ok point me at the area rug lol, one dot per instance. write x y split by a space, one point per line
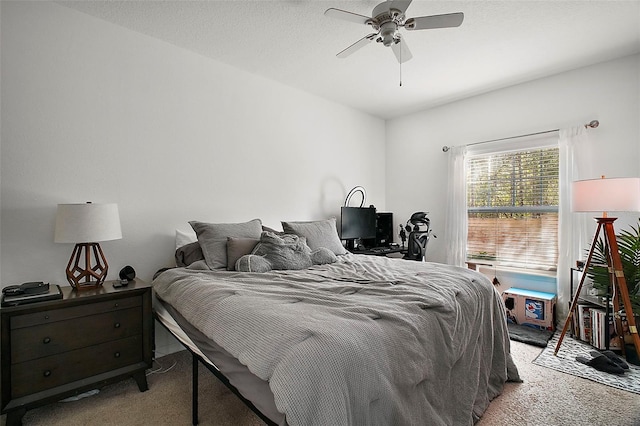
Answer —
566 362
529 335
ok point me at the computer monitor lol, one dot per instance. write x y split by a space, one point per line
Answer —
357 223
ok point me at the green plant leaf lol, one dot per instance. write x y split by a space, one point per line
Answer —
629 249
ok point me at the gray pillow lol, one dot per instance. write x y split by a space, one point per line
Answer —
286 251
238 247
199 265
266 228
323 256
213 238
188 254
252 263
320 233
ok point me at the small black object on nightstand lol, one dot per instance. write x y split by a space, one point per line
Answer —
127 273
121 283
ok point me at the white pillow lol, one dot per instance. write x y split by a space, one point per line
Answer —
185 237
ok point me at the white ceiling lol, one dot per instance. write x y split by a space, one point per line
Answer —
500 43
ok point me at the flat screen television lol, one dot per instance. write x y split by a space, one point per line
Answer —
357 223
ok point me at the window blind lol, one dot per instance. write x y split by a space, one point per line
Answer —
512 206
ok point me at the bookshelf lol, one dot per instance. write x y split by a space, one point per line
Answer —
593 322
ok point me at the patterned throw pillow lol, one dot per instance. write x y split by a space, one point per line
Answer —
286 251
252 263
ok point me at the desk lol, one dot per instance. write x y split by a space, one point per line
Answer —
381 251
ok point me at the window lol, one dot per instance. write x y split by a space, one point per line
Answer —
512 206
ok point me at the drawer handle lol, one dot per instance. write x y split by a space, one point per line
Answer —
47 373
116 355
116 325
116 305
46 340
46 317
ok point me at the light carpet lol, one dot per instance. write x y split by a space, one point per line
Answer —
546 398
565 361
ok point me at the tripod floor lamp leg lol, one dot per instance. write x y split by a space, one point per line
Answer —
621 286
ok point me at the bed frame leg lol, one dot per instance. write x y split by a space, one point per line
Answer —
194 390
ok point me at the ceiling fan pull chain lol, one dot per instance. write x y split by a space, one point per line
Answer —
401 68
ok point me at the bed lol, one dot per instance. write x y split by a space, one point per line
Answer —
347 341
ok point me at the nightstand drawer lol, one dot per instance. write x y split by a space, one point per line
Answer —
35 342
49 372
54 315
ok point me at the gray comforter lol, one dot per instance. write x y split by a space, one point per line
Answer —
364 341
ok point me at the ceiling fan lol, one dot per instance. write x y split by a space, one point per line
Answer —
386 19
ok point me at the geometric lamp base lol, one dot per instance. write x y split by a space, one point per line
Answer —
94 272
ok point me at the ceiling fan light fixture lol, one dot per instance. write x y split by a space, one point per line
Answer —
388 33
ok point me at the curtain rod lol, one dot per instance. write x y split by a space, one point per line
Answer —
592 124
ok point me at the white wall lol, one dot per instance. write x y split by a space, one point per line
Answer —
95 112
417 167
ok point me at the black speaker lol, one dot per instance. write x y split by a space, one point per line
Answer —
127 273
384 229
509 303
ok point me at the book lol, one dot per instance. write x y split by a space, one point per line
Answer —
584 322
598 328
591 327
22 299
575 324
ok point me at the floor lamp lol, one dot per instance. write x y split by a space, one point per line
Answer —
607 195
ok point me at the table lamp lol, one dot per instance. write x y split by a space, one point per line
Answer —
607 195
86 225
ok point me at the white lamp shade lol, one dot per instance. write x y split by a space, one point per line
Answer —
606 195
87 223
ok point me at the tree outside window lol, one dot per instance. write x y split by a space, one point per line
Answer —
512 203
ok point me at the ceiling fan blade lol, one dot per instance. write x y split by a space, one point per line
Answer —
346 16
434 21
357 45
401 50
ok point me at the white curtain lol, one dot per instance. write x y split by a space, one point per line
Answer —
456 220
575 230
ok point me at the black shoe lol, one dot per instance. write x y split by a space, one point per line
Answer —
613 357
602 363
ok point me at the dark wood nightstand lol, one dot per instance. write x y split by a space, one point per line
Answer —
55 349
